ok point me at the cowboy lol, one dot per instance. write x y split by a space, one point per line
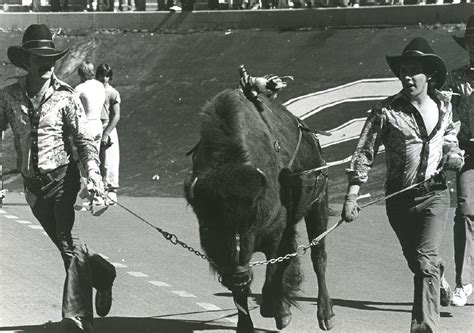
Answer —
47 118
461 82
417 130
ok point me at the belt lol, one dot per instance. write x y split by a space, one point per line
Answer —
437 183
44 181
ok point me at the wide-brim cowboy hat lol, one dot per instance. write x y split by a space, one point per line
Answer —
419 48
469 33
38 40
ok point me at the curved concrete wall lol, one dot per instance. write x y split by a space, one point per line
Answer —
378 16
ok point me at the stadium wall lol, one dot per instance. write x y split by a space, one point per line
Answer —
378 16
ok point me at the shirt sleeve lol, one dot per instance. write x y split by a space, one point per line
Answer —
367 147
75 119
450 141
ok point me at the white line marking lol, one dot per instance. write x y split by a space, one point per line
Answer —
366 88
182 293
11 217
2 211
209 306
159 284
37 227
119 265
137 274
103 256
23 221
232 320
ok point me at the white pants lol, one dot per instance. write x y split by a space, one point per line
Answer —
110 163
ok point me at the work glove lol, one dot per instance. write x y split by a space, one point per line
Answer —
94 182
350 210
452 161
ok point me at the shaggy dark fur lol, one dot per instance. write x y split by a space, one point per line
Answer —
248 198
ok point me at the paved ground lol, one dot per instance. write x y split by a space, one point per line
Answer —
163 288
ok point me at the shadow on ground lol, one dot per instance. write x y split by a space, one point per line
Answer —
130 324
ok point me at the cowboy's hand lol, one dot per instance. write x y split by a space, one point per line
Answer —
452 161
94 182
350 210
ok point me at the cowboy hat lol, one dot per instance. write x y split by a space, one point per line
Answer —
419 48
469 33
37 40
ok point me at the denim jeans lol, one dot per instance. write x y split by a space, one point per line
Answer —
55 212
419 223
464 223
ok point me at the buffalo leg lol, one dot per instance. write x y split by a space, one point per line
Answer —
281 281
316 223
244 324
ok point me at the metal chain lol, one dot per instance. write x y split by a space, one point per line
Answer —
301 250
172 238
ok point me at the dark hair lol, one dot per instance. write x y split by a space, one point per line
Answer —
104 70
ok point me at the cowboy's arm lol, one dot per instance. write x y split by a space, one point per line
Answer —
75 120
362 161
453 157
367 148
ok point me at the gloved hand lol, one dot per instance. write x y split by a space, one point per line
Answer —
452 161
350 210
94 182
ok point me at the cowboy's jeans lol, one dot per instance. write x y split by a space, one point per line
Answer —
419 223
55 212
464 223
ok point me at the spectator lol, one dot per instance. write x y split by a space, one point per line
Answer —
417 130
110 152
92 95
461 81
127 7
47 117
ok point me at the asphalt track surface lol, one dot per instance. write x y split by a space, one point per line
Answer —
162 287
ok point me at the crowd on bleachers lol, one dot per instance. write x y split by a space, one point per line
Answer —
189 5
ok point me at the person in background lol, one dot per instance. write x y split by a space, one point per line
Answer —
92 95
125 5
110 151
419 136
461 82
47 118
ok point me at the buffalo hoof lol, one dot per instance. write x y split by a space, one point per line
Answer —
245 329
328 324
266 311
283 321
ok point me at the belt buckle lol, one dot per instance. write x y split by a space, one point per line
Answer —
45 179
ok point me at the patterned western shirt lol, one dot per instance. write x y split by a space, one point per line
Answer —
412 154
463 105
44 131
